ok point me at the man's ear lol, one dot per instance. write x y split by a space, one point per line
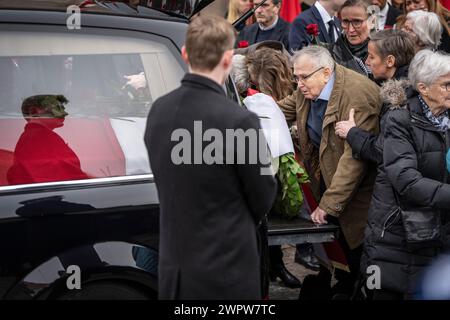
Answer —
423 89
227 58
184 55
327 73
390 61
278 7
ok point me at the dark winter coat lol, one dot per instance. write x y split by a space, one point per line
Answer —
414 168
369 146
209 212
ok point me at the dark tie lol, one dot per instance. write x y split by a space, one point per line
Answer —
331 28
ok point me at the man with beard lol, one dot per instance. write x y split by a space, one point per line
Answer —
268 26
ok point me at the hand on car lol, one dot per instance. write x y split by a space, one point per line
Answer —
343 127
319 216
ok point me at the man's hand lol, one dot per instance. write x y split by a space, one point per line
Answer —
343 127
318 216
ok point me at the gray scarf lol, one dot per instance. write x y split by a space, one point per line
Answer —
442 121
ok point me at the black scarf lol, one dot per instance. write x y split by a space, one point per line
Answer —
358 50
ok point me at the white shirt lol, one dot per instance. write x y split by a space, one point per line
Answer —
382 16
263 28
325 18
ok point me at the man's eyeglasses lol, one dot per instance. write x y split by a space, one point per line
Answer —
304 78
355 23
446 86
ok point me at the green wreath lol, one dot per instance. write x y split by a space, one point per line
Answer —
290 197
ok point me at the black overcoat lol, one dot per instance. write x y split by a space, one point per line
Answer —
210 213
414 172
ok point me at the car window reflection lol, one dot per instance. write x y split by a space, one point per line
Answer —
41 155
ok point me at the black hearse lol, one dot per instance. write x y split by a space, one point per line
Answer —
102 69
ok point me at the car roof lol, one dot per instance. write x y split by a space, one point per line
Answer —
183 9
53 12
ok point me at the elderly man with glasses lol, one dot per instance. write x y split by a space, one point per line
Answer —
342 185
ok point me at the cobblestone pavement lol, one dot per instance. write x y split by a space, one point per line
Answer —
277 290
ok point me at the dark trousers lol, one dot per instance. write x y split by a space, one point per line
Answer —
346 280
275 255
263 244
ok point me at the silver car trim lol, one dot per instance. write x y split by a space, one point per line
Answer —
77 183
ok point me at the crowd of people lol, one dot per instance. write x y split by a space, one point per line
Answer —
366 88
333 105
345 25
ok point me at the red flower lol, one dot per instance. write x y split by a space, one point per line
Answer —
243 44
251 92
312 29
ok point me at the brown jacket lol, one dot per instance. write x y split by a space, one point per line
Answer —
348 182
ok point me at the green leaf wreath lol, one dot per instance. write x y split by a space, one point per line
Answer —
291 176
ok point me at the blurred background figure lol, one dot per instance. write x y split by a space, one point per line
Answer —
425 28
431 6
388 14
398 4
411 5
237 8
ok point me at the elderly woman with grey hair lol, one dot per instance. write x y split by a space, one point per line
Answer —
425 28
409 218
239 73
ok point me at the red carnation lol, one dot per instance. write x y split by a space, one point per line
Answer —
312 29
243 44
251 92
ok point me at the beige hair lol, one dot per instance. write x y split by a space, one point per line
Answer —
207 39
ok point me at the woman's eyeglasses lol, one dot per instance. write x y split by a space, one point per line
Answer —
357 23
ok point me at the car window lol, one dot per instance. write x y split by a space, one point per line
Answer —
75 106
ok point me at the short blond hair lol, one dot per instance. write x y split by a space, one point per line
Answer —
207 39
